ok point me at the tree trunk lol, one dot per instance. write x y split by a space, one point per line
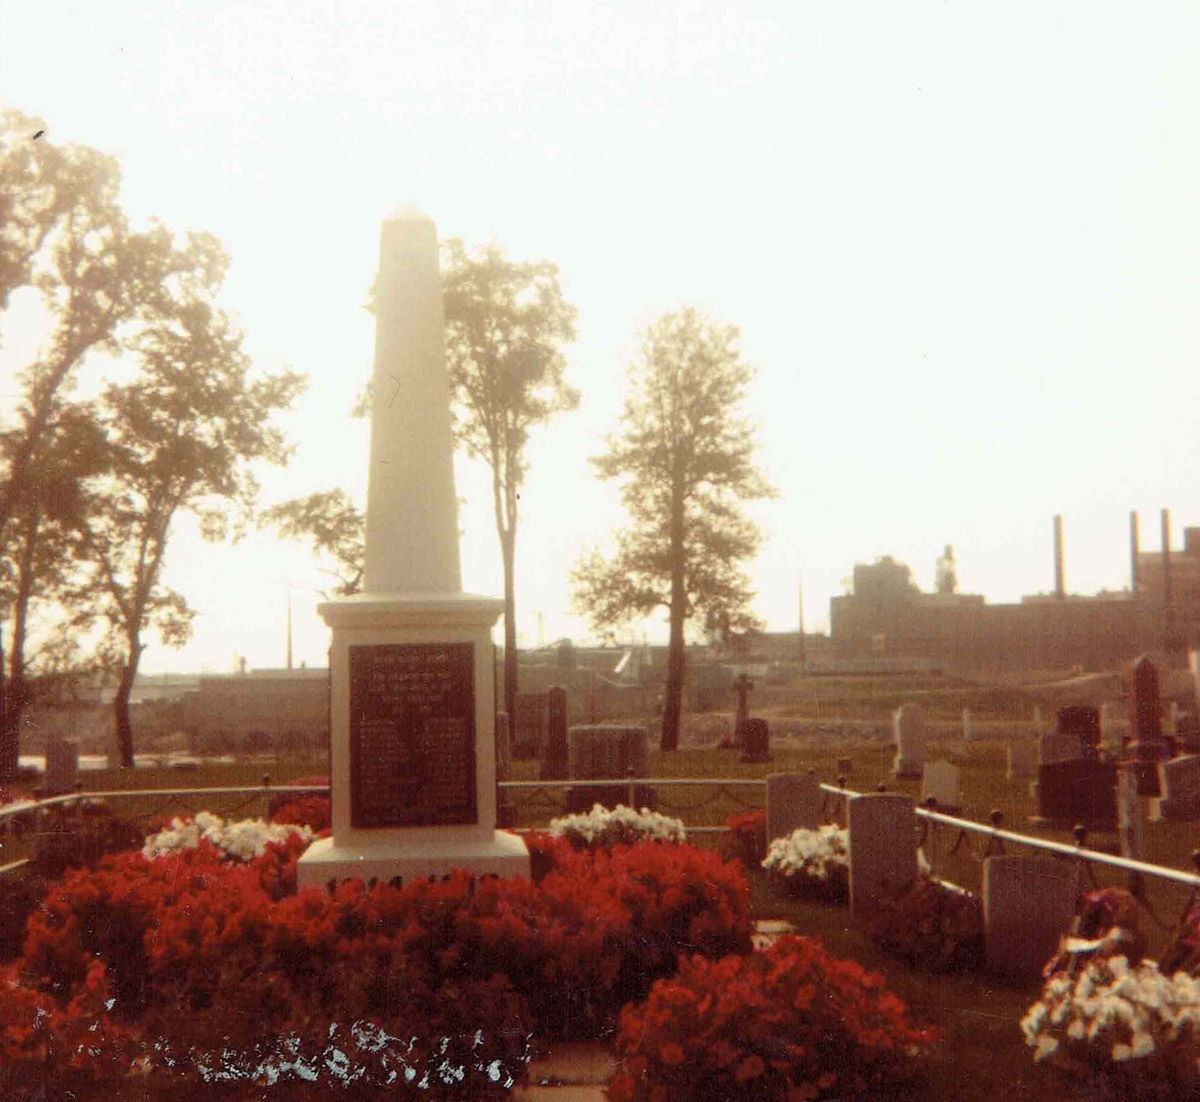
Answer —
508 541
121 706
10 750
673 704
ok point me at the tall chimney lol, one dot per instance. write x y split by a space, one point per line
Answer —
1166 554
1059 590
1133 551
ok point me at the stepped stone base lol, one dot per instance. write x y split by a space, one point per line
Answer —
415 858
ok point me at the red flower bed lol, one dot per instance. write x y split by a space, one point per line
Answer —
228 958
305 810
932 925
790 1023
278 800
747 838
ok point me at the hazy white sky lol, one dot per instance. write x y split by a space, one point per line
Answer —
962 242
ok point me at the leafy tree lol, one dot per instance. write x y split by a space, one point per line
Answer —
45 599
336 527
506 325
180 436
684 458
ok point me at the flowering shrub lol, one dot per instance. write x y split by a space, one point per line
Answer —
932 925
812 862
603 828
310 810
461 971
320 788
1129 1029
244 840
747 838
547 852
1106 925
789 1023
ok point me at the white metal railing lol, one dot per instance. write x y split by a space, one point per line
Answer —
990 831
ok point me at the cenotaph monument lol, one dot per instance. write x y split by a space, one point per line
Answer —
412 698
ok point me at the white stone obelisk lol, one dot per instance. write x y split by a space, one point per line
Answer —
412 682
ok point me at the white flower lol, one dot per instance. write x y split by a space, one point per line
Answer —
812 853
1046 1046
619 821
243 840
1121 1052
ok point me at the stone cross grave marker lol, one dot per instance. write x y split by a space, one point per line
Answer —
554 764
741 687
883 848
793 802
940 780
1022 761
1028 904
756 740
1179 779
910 730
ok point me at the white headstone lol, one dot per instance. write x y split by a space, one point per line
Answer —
883 848
1022 759
966 725
1110 737
793 801
940 780
412 678
910 730
1037 721
1028 904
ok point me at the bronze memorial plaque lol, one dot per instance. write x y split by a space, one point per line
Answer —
412 735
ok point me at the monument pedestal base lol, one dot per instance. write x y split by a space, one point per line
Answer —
417 858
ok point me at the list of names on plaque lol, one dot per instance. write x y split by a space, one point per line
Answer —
412 734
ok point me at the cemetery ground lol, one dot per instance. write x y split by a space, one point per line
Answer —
983 1054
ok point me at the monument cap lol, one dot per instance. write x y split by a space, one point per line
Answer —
408 212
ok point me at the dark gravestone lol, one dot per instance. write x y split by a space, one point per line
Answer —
1084 722
756 741
506 812
600 752
1148 747
554 760
1070 793
529 724
412 735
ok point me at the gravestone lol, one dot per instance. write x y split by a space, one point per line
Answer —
883 848
530 725
1148 746
506 811
1058 747
412 673
756 740
793 802
62 766
1171 727
1083 722
1179 780
1028 905
910 731
602 752
1037 721
1022 756
554 765
1069 793
940 781
967 733
1110 736
1129 815
843 767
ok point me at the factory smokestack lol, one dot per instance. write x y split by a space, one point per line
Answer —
1166 554
1059 590
1134 549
